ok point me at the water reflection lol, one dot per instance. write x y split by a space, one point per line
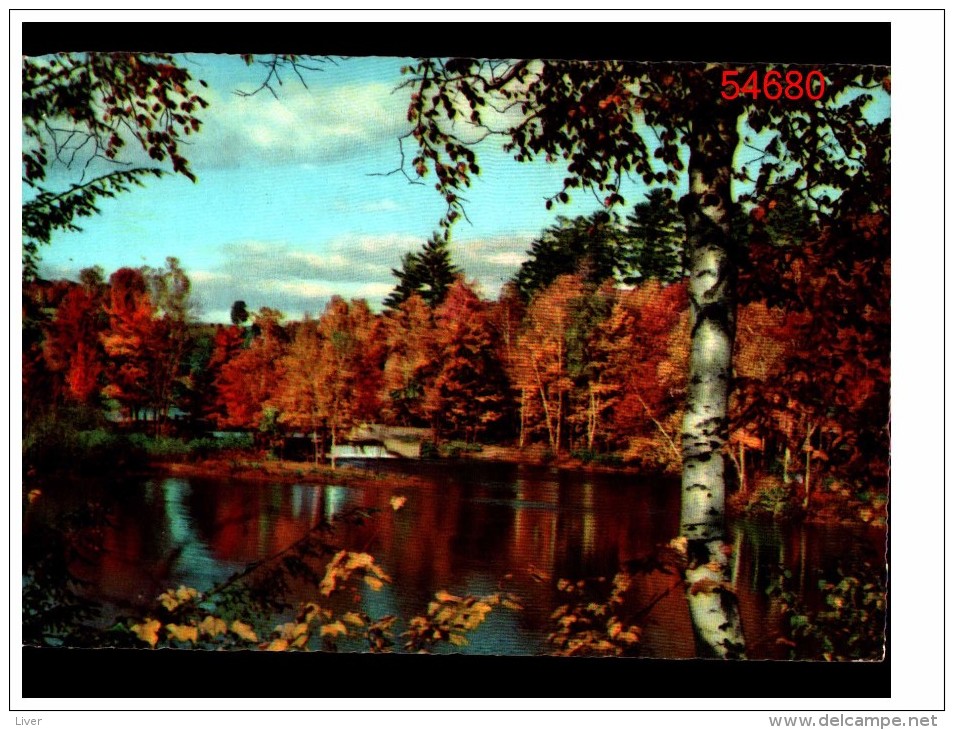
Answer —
469 531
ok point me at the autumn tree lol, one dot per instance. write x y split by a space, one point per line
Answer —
642 351
72 344
660 122
348 367
247 382
827 402
170 292
227 342
469 392
298 399
332 374
410 338
543 365
133 341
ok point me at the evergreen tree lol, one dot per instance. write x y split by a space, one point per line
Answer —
239 312
428 273
656 238
586 245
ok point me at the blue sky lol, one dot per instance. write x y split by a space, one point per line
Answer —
291 205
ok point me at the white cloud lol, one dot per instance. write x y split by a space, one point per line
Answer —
199 276
507 258
306 126
490 261
308 289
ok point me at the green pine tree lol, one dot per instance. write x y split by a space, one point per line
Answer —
428 272
657 236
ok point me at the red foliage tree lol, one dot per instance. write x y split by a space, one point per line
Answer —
72 345
828 402
248 381
645 347
470 391
133 341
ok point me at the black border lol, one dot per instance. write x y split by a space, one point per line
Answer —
818 43
55 673
185 673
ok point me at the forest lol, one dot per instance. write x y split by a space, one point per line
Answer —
583 356
739 341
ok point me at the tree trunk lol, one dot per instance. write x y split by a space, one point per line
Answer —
808 466
523 415
707 208
334 440
742 467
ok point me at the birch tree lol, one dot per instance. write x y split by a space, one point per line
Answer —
675 124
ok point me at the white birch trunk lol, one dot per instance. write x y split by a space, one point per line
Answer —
712 602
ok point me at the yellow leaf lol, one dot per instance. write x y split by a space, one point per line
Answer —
631 636
354 619
183 633
512 604
300 642
458 640
291 631
359 560
148 631
186 594
329 582
335 629
375 583
397 502
445 597
168 600
277 645
243 631
213 626
376 570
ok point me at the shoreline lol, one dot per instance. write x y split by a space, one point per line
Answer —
297 472
252 467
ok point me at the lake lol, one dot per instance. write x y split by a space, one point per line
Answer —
468 527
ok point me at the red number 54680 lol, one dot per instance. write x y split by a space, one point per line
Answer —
793 85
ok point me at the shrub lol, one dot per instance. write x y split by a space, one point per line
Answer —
588 456
162 447
75 441
453 449
851 624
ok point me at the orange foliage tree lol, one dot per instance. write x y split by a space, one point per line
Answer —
542 363
133 341
644 351
469 392
248 381
410 337
332 373
827 404
72 346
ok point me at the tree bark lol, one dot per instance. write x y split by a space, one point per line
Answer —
707 208
334 443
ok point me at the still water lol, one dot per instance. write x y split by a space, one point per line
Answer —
467 528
